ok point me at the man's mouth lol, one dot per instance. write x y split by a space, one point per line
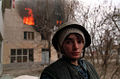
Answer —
75 53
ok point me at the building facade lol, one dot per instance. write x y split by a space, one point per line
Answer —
21 42
22 48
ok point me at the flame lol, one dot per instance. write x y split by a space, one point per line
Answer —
59 22
29 20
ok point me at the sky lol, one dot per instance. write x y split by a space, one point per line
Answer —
96 2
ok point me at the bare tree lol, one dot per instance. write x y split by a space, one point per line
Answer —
103 25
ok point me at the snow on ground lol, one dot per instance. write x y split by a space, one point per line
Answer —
26 77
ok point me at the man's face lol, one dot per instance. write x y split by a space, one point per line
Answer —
73 45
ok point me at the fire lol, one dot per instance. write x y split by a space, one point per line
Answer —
29 20
59 22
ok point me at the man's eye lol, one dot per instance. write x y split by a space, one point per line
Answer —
79 41
68 42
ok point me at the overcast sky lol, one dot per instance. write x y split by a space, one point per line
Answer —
96 2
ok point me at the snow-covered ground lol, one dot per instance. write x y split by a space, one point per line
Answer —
7 76
26 77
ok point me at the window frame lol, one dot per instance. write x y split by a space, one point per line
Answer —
28 35
19 58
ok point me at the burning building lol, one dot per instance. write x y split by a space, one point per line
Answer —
23 47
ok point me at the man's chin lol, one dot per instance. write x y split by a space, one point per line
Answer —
75 58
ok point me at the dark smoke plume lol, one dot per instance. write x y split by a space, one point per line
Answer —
45 12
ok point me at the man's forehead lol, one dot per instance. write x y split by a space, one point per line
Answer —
75 36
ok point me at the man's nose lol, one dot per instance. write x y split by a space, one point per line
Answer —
75 45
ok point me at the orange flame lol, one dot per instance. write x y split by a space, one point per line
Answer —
59 22
29 20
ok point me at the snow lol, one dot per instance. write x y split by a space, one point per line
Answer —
26 77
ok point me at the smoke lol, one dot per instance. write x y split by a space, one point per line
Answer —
22 4
45 13
38 6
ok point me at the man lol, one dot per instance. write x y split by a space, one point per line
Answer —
70 40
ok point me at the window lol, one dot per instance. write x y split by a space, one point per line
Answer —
28 35
45 56
21 55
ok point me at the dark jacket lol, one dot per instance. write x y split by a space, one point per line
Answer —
62 69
